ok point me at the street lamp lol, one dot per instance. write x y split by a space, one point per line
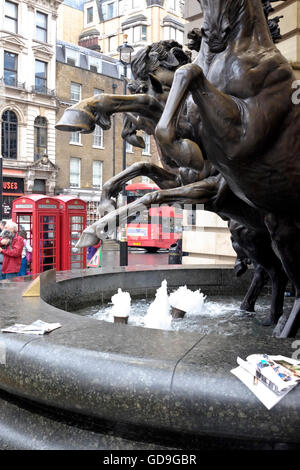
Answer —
125 51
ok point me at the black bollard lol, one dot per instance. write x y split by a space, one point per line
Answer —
123 249
175 253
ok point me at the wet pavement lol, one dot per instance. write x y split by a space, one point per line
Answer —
135 258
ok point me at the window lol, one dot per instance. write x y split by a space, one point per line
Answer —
140 33
72 57
75 138
75 91
95 64
98 91
129 148
172 5
11 17
109 10
40 76
9 133
98 137
41 27
112 43
10 68
40 137
39 186
135 4
173 33
145 180
75 164
90 15
97 174
147 149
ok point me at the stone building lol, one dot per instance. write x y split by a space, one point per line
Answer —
206 237
144 22
86 161
28 102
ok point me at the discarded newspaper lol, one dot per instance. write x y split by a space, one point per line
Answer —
38 327
270 378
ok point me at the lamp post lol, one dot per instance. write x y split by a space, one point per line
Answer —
125 51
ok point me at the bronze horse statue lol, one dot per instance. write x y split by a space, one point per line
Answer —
193 156
242 88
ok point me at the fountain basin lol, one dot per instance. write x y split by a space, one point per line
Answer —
172 381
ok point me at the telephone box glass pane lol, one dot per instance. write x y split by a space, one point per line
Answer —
47 242
76 228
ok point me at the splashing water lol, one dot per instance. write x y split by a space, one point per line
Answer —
121 304
158 314
187 300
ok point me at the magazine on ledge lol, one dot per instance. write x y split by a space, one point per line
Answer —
270 378
38 327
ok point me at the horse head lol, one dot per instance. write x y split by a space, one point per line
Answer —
229 20
218 22
154 66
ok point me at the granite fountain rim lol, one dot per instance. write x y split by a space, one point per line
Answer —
113 372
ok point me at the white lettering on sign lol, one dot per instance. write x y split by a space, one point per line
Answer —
47 206
76 207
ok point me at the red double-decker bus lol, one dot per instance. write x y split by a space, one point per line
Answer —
158 227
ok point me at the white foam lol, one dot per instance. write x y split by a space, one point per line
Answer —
121 304
189 301
158 314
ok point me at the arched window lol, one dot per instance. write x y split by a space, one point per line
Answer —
40 137
9 133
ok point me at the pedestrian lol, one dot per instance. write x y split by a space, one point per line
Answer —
12 251
2 227
27 250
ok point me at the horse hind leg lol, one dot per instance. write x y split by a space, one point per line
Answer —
258 282
285 235
279 282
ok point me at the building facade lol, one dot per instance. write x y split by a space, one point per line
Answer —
28 102
144 21
86 161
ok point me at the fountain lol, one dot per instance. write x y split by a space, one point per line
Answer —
121 306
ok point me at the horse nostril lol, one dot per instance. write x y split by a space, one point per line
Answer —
226 31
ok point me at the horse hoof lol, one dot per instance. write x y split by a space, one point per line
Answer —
87 238
247 308
267 321
279 327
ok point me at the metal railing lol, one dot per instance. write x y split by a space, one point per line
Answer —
42 91
12 84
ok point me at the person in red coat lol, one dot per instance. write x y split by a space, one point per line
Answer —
12 251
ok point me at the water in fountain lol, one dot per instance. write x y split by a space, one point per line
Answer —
187 300
121 304
158 314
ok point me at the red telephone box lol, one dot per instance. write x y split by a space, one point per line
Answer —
73 222
39 216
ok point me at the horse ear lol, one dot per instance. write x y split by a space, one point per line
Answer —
156 84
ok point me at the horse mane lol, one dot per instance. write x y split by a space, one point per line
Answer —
168 54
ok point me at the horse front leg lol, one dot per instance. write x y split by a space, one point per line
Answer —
84 116
163 178
196 193
220 116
